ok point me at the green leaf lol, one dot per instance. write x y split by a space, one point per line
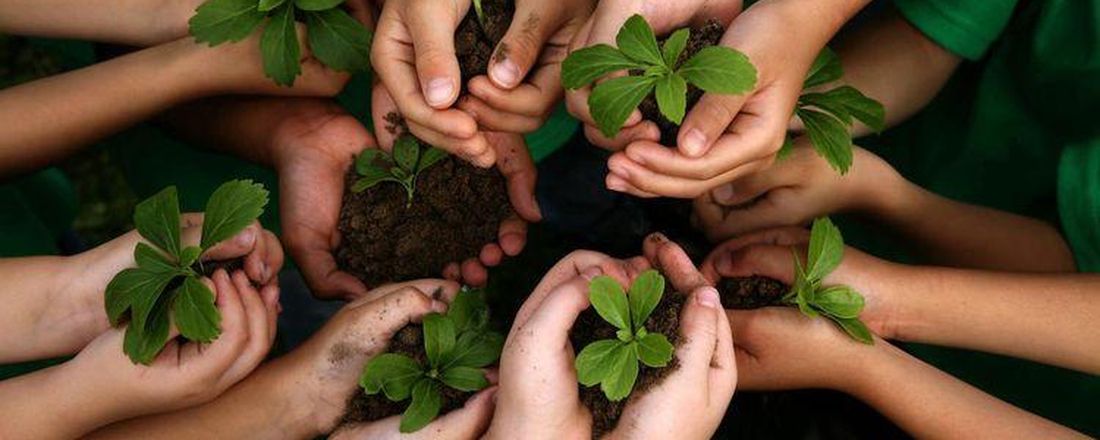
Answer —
338 40
406 152
439 337
267 5
145 297
825 69
654 350
586 65
671 96
430 157
719 69
856 329
189 256
152 260
830 138
232 207
370 179
624 372
612 101
674 46
426 402
279 47
826 250
868 111
786 149
194 312
610 301
594 361
317 5
838 301
636 40
828 104
131 284
220 21
158 220
142 343
475 349
394 374
645 294
465 379
468 310
371 160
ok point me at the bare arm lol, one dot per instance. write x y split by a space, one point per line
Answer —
131 22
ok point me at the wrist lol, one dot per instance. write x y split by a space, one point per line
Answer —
170 19
88 401
878 364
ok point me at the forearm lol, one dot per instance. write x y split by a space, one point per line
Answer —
52 404
131 22
39 319
928 403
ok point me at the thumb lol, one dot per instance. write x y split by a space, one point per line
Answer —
699 321
515 163
432 28
776 262
470 421
518 51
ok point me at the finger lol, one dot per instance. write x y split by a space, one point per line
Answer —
554 317
234 329
772 211
522 44
699 331
489 118
491 255
436 289
473 273
678 267
586 264
616 183
724 373
240 245
270 295
512 235
319 268
254 264
474 149
452 272
515 163
709 217
273 260
259 333
432 24
706 122
640 131
774 262
533 98
386 116
467 422
645 179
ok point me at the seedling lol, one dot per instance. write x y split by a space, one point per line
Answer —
613 363
841 304
402 167
714 69
480 15
458 345
829 115
335 38
166 286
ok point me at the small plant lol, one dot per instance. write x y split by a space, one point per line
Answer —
829 115
714 69
335 38
458 345
613 363
165 287
402 167
480 15
841 304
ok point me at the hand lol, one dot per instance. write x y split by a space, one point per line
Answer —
796 190
770 254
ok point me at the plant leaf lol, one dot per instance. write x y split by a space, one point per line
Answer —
392 373
594 361
338 40
839 301
370 160
475 350
636 40
612 101
131 284
830 138
825 69
267 5
624 372
426 402
586 65
645 294
430 157
152 260
610 301
189 255
465 379
145 297
439 337
279 47
826 250
719 69
828 104
671 93
373 177
856 329
406 152
157 219
142 343
194 312
317 5
674 46
786 149
654 350
468 310
219 21
868 111
232 207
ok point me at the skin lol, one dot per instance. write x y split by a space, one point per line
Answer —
101 385
538 345
131 22
304 394
54 305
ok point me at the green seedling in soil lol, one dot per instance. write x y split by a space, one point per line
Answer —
828 115
166 285
841 304
653 69
402 167
335 38
458 346
613 363
480 14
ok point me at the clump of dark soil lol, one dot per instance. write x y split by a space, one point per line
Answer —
474 44
409 341
751 292
591 327
710 34
207 268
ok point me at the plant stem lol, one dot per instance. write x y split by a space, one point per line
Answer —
480 16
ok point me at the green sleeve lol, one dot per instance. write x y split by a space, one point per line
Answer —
1079 202
964 27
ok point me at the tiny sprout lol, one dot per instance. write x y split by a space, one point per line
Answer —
402 167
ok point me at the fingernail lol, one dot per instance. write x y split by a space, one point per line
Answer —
439 91
506 73
590 273
658 237
439 306
265 272
615 183
708 297
722 194
619 170
694 142
247 237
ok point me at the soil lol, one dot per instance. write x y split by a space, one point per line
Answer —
408 341
474 44
590 327
209 267
751 292
710 34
